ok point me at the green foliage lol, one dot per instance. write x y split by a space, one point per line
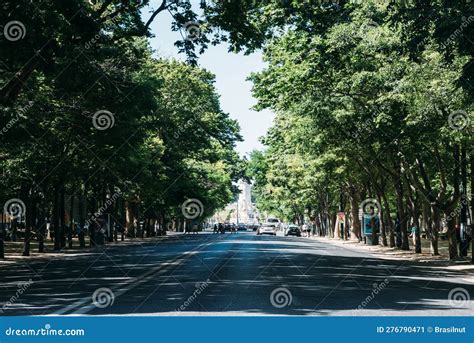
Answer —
167 138
355 101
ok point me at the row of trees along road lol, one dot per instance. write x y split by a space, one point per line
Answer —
373 100
93 124
362 91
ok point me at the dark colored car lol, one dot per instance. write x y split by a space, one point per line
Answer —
293 231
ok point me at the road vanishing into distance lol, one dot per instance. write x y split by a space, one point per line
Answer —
229 274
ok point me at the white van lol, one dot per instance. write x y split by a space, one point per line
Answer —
273 222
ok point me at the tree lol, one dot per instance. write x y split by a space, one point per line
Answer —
358 103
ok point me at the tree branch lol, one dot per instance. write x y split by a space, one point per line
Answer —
162 7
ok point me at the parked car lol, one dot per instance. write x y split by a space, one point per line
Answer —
293 230
267 230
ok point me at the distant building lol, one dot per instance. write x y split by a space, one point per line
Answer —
241 211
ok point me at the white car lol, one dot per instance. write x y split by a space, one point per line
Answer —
273 222
267 230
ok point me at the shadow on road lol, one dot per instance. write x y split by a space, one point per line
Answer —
232 274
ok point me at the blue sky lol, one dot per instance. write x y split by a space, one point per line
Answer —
231 71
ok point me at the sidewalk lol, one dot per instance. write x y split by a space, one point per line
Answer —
14 250
442 260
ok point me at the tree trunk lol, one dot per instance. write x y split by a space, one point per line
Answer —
416 223
463 244
355 227
28 223
452 234
129 221
71 222
402 214
62 210
383 232
413 201
472 204
41 228
55 221
123 219
2 236
389 221
92 223
434 237
346 225
81 233
146 224
448 209
427 220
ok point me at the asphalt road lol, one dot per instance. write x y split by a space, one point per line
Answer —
238 274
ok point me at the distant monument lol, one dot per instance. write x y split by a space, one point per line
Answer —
245 212
241 211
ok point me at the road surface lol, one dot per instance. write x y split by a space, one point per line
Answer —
231 274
